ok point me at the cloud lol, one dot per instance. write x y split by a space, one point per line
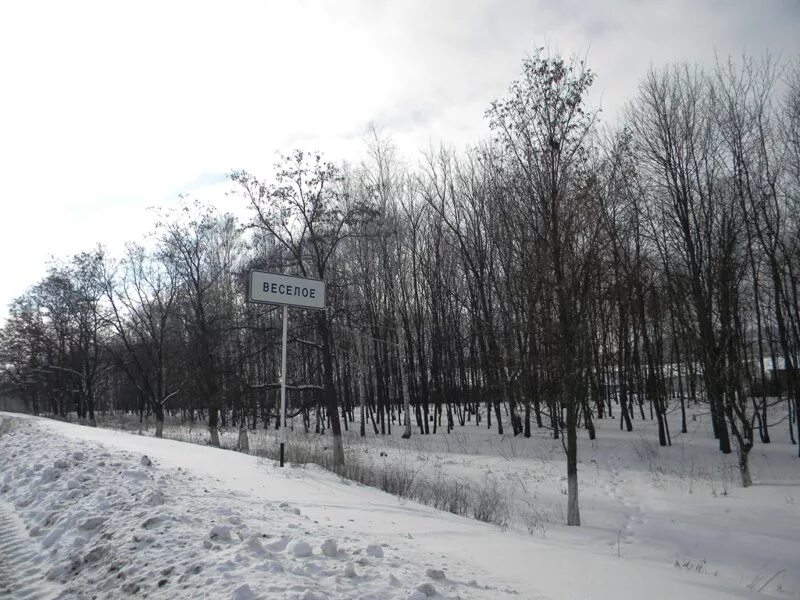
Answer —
108 108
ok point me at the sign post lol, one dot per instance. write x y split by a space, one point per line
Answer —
286 291
283 382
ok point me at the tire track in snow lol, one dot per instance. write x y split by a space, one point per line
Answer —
20 578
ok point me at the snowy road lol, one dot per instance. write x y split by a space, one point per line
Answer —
206 523
108 523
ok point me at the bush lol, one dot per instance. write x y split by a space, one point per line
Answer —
646 451
489 505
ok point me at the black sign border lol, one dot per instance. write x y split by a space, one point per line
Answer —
250 286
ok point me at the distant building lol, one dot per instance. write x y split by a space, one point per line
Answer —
778 371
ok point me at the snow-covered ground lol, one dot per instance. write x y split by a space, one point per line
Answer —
81 516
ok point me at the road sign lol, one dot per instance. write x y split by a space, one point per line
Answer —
273 288
286 290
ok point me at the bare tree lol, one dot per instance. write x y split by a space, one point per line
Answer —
308 213
142 295
197 249
544 128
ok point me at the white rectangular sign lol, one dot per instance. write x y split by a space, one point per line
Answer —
273 288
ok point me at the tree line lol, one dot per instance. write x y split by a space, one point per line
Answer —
562 271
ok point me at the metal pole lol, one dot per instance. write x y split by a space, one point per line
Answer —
283 383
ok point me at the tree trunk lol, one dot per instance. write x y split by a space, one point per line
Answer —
213 422
243 444
331 403
744 464
159 422
573 511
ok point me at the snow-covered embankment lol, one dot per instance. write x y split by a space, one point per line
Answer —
108 522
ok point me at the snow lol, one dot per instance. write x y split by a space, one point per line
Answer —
329 548
434 573
200 522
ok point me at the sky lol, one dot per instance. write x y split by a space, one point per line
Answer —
110 108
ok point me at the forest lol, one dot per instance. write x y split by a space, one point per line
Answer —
561 271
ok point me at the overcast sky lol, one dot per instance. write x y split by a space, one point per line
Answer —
108 108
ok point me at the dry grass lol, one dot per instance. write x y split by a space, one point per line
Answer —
400 476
